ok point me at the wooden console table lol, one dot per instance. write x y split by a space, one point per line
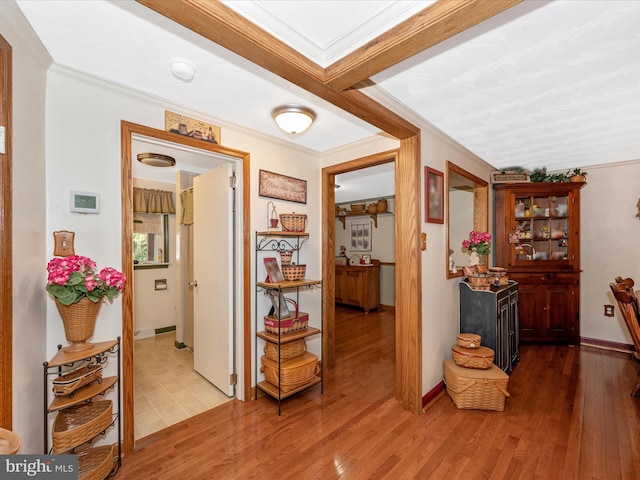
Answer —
359 285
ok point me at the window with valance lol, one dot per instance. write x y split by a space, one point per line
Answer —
151 209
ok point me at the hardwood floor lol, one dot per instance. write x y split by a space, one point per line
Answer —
569 416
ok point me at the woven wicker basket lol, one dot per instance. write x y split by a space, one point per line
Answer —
287 350
286 325
294 373
293 272
95 463
9 442
469 340
293 222
285 256
481 357
476 389
79 320
71 381
75 425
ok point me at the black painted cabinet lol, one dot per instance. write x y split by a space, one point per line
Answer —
493 314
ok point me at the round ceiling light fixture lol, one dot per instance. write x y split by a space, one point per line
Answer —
156 160
182 69
293 119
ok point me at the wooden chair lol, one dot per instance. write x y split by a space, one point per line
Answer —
628 304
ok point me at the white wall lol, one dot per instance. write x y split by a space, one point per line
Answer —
440 296
609 236
156 308
29 227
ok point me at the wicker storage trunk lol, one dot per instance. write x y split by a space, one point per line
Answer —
471 388
294 373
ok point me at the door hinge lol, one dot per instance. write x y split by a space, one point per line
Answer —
233 379
232 181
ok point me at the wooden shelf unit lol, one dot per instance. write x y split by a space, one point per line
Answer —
63 362
267 242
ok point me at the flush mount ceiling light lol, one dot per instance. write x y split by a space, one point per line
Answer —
293 119
156 160
183 69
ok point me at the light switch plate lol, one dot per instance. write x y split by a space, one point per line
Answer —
63 243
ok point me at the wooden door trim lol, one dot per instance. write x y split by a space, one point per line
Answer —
408 259
127 129
6 255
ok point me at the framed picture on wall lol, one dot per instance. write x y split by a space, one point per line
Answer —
434 195
361 237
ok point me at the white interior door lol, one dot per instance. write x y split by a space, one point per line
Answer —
213 271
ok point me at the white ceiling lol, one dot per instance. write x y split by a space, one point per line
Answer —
552 84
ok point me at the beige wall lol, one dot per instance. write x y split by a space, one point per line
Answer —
610 232
29 226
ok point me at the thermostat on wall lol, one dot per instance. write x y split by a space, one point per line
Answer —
85 202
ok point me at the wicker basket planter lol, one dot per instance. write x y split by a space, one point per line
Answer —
75 425
71 381
294 373
288 350
476 389
469 340
79 320
293 222
95 463
293 272
481 357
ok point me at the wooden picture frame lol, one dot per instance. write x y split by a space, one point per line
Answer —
281 187
433 195
190 127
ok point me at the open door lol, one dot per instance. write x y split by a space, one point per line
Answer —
213 279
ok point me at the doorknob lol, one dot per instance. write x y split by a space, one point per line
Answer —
193 284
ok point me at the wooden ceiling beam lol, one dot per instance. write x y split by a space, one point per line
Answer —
222 25
427 28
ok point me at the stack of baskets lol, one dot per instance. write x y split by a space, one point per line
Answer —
297 367
472 380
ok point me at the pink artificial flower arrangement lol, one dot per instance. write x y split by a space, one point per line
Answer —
74 277
480 241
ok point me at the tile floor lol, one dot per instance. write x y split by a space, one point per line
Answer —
167 389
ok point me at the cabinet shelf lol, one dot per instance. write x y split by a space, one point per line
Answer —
276 393
286 284
65 358
374 216
83 394
288 337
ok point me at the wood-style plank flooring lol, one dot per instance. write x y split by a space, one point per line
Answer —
569 416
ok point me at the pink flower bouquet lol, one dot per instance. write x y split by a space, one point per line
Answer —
72 278
480 241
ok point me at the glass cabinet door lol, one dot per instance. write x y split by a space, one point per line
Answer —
541 229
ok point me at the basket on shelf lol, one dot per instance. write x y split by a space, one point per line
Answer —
285 256
273 324
480 358
287 350
293 222
358 207
95 463
294 373
469 340
75 425
70 381
293 272
476 389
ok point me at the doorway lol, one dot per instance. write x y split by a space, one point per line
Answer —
175 377
242 302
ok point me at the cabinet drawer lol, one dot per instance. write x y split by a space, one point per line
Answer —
545 278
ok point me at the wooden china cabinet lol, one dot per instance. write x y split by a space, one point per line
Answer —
537 238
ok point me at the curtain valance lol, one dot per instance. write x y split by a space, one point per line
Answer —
147 200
